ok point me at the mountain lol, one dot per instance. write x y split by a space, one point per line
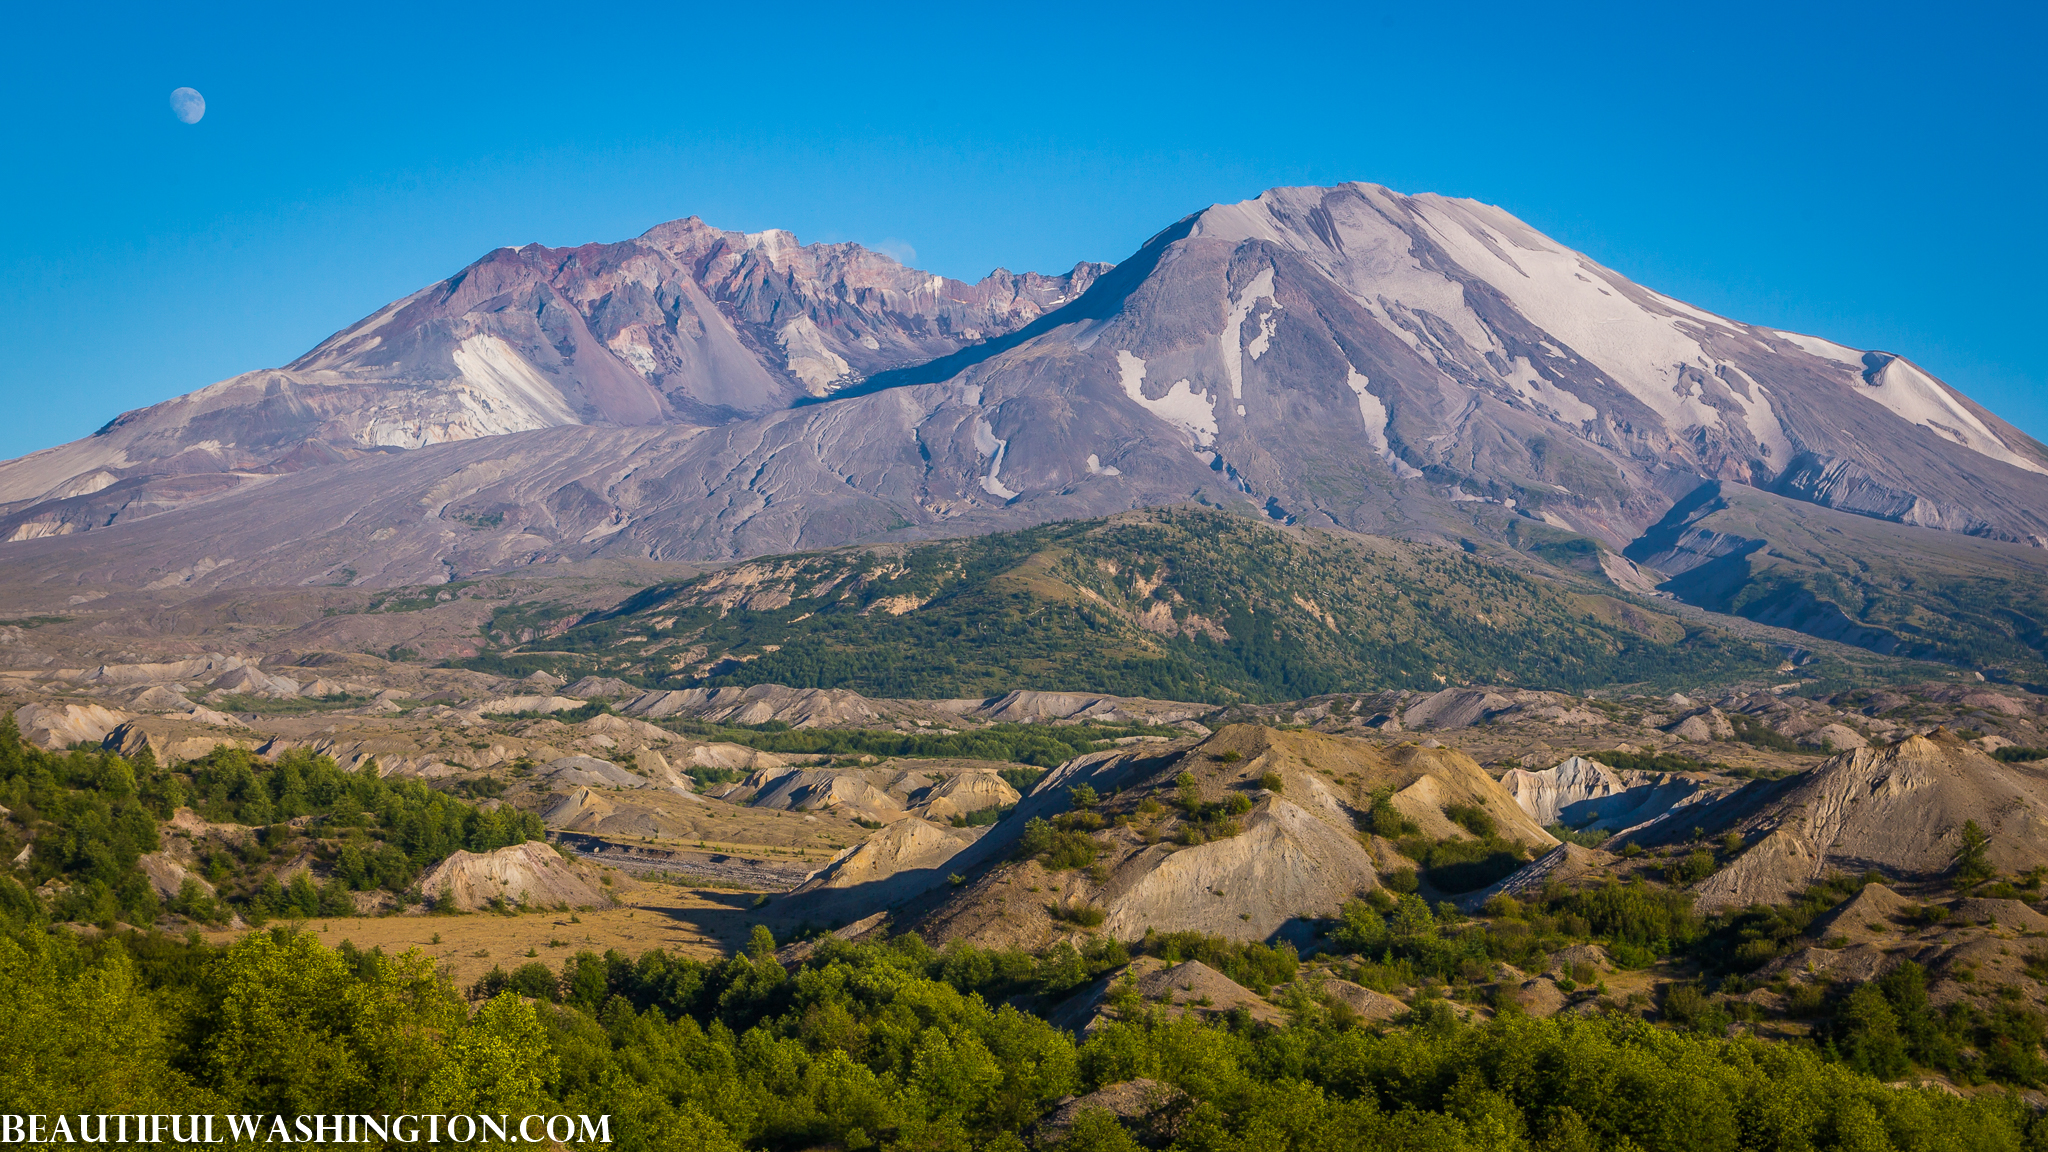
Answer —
1410 366
686 324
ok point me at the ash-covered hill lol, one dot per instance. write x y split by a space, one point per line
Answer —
1174 604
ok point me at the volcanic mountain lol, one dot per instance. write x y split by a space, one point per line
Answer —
1346 357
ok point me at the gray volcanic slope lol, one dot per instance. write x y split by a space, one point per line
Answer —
1411 365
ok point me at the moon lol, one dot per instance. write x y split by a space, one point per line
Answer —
188 105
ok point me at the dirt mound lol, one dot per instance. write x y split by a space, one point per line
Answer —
1074 707
1285 864
906 845
601 688
1363 1002
59 726
167 875
1898 810
1454 708
1540 997
157 698
1194 986
760 704
1875 913
174 738
813 789
733 756
964 793
532 874
509 705
589 771
1131 1101
2005 913
633 731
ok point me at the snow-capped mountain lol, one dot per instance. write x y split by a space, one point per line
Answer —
686 324
1348 357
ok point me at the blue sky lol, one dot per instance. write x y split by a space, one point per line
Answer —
1871 173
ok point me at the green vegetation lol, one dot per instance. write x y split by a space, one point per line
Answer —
1584 839
1040 745
898 1047
1402 942
1233 610
1060 847
1653 761
2013 754
91 816
1464 865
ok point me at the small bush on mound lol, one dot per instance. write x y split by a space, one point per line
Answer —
1085 915
1464 865
1254 965
1272 782
1385 820
1586 839
1474 819
1059 849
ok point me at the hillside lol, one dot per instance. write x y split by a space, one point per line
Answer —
1244 834
231 837
1898 589
1178 604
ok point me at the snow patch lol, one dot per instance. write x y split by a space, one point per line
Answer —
986 443
1825 349
1231 344
1920 399
1762 419
1182 406
1374 413
1533 387
1097 468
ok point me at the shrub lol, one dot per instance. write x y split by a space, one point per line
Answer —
1272 782
1474 819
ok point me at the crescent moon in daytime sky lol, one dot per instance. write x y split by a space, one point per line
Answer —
188 105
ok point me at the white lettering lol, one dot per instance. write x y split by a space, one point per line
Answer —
277 1131
565 1137
598 1133
494 1127
63 1129
523 1135
370 1124
406 1135
469 1120
85 1134
244 1127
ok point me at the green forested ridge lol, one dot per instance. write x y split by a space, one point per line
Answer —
1174 604
89 816
892 1047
